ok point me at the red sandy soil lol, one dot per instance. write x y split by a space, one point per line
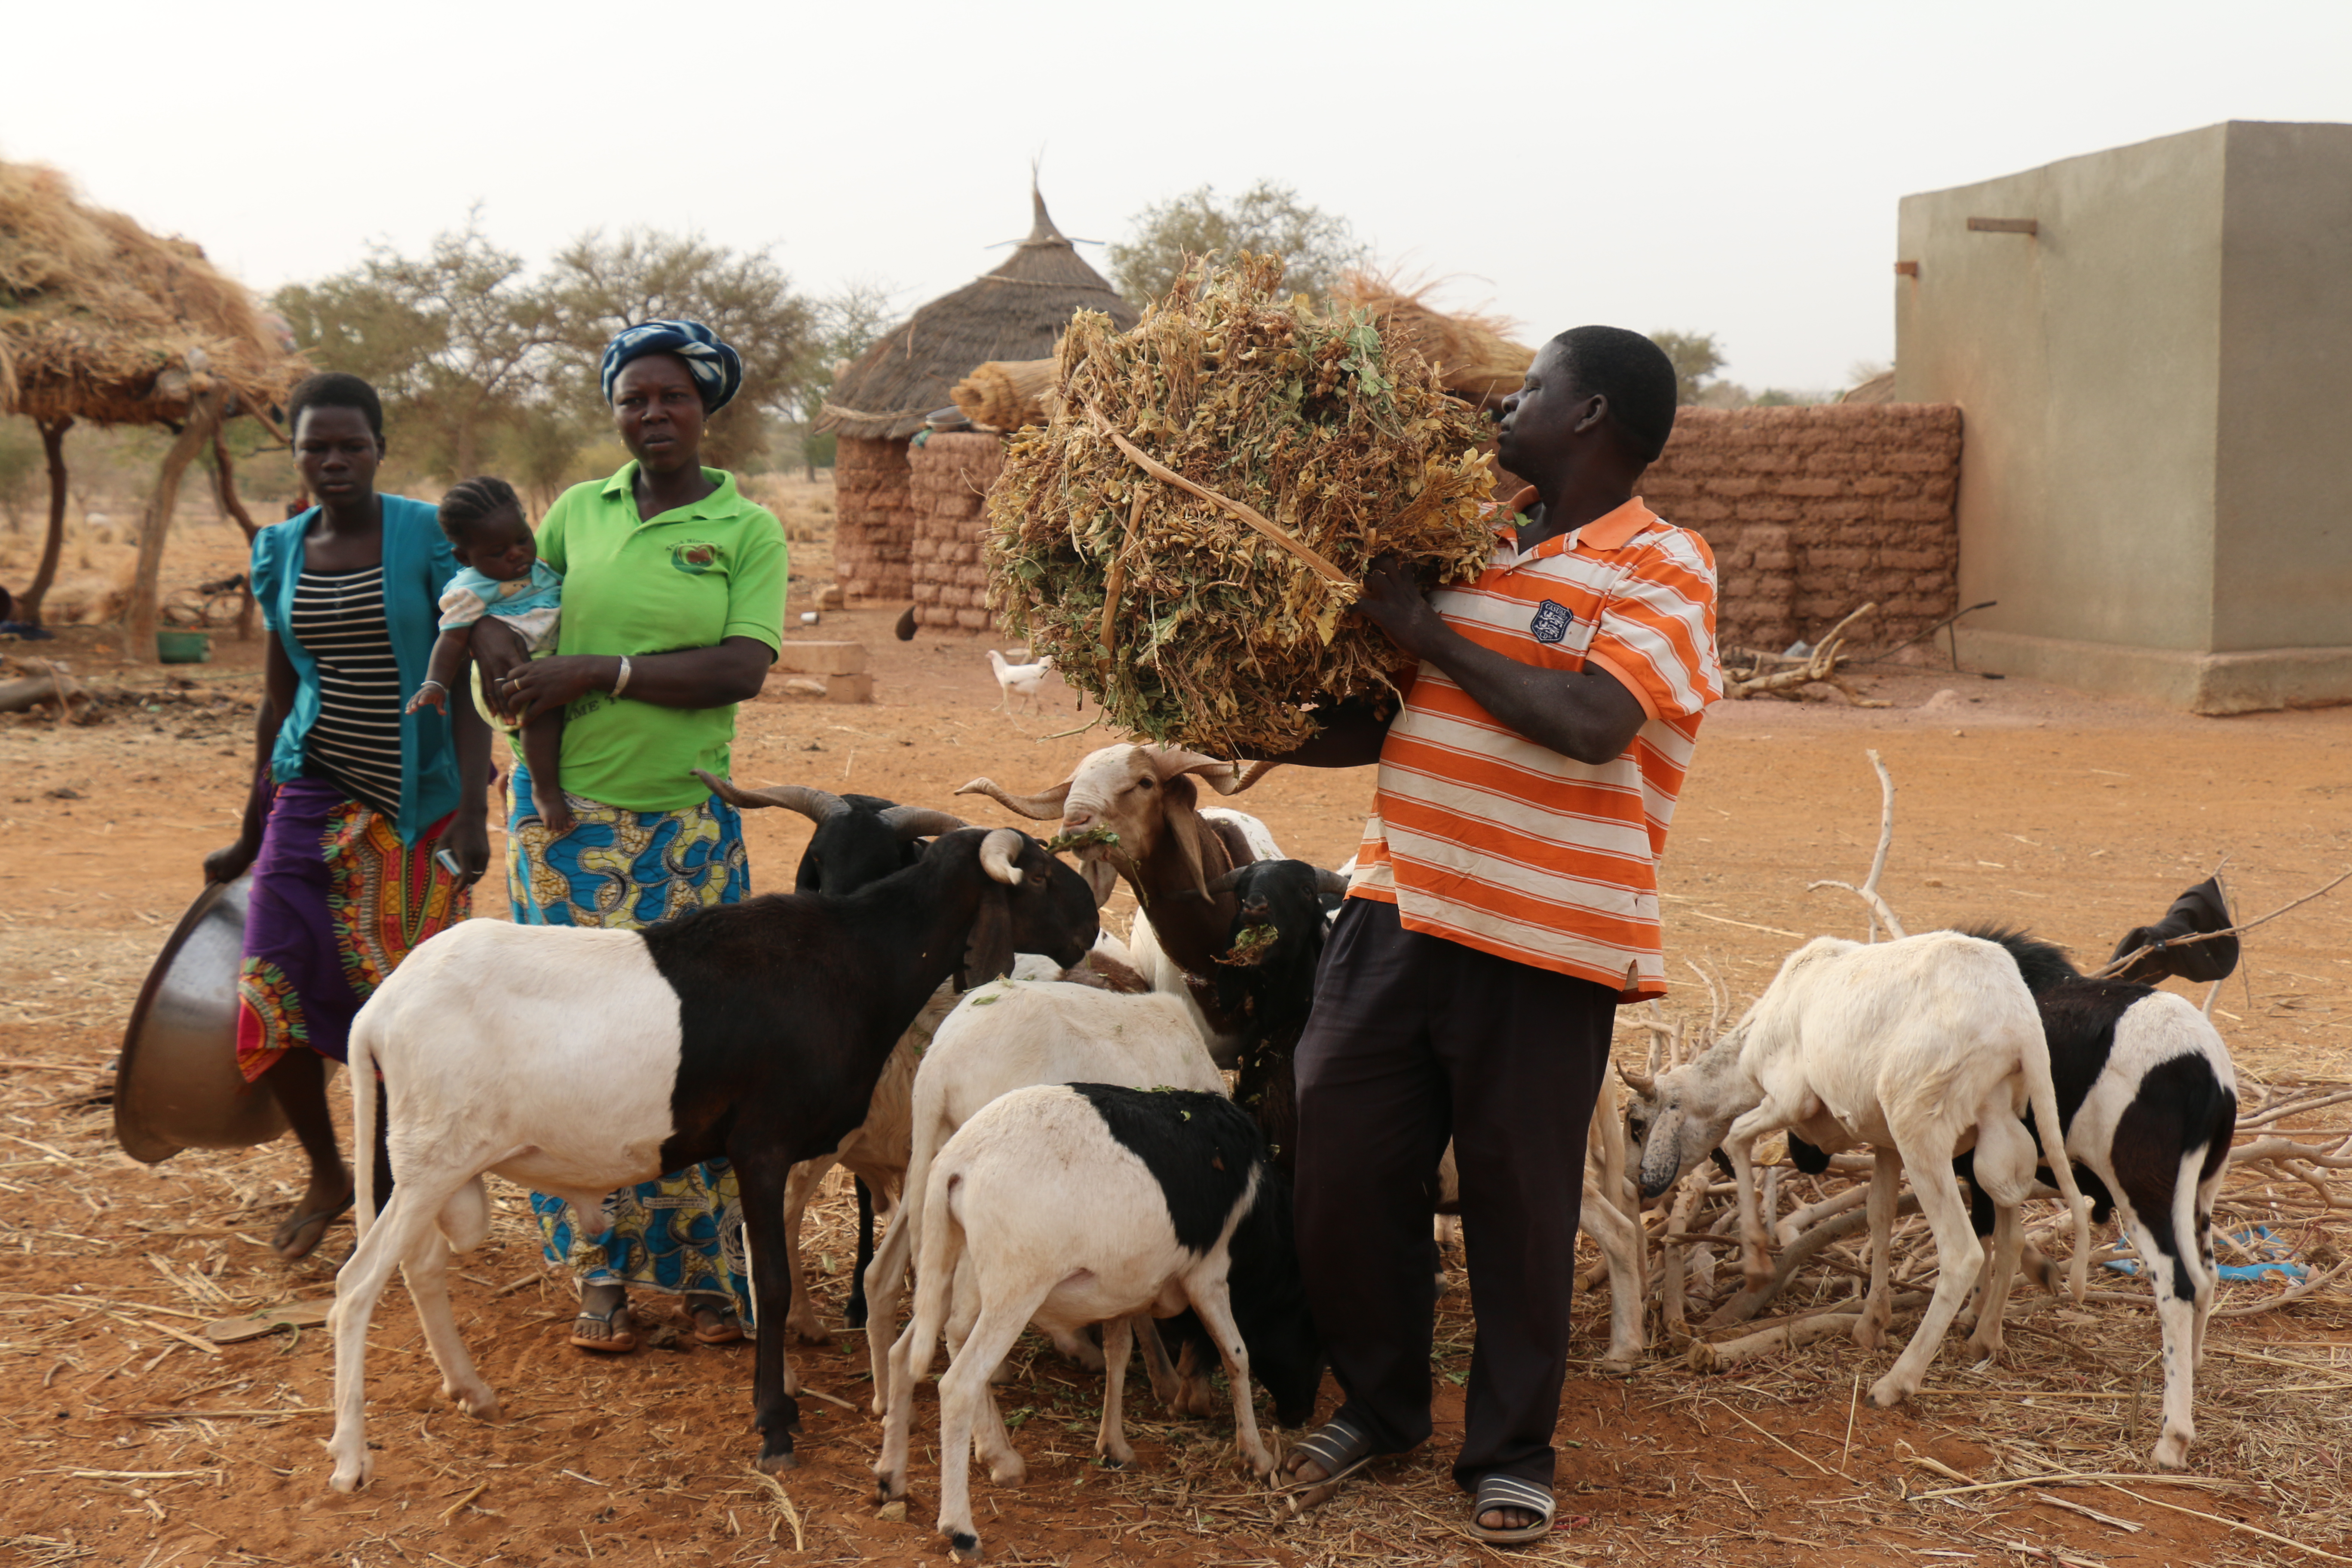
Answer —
126 1443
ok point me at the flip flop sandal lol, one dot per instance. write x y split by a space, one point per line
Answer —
295 1226
1337 1446
1501 1492
620 1335
715 1323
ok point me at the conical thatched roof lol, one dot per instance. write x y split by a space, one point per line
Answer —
1017 312
102 320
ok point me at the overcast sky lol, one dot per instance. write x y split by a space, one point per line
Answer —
1701 166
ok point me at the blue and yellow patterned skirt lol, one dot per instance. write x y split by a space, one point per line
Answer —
620 870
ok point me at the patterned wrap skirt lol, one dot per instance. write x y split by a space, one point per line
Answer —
338 901
620 870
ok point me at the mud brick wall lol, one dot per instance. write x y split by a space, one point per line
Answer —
949 475
1814 511
872 529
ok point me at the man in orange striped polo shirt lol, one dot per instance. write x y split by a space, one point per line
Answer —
1504 902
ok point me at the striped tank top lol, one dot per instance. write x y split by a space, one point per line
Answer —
355 743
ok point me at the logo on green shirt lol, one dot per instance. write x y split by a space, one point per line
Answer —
694 558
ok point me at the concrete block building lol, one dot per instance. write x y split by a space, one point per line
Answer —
2152 348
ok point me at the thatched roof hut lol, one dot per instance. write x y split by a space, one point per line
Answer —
102 320
1017 312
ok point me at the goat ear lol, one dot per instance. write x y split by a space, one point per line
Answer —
1185 826
988 952
1102 879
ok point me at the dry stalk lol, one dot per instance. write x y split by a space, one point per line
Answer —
1819 665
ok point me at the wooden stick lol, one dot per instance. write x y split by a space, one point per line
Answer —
2217 1519
1160 471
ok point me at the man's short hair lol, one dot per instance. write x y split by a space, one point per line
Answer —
333 389
1636 378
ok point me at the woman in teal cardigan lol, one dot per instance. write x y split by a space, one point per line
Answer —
352 796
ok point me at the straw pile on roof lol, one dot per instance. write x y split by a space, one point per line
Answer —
1118 540
1014 312
102 320
1006 394
1472 355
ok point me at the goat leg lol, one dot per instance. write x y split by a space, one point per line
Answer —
1111 1442
853 1314
761 1174
1878 1307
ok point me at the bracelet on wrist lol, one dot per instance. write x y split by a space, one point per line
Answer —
432 685
621 680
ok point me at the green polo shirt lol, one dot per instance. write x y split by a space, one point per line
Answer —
688 578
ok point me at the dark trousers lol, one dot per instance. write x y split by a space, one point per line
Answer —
1415 1039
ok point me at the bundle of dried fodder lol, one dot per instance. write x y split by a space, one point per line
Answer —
1187 535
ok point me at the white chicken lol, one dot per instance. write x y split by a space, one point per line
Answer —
1017 679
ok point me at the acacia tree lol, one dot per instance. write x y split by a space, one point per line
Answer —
454 340
847 323
1696 356
1267 218
598 285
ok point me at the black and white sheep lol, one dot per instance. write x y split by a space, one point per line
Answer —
1077 1204
576 1061
2148 1099
1009 1036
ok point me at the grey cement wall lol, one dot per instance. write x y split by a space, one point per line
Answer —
2148 483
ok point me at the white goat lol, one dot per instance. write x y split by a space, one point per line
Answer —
1008 1035
1921 1048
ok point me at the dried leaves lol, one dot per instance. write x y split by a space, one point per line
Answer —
1185 623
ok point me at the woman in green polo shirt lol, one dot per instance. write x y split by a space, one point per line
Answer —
673 609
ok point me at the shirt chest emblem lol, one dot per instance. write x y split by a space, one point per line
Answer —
694 558
1552 622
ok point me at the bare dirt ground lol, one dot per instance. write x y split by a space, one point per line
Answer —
128 1439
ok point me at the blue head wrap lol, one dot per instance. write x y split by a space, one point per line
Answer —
718 370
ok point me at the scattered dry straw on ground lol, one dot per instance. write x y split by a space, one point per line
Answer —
1194 619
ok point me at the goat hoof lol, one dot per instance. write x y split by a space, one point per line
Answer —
2172 1452
1885 1393
810 1333
770 1464
352 1476
966 1546
853 1314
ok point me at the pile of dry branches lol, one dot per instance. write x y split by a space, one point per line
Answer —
1187 535
1747 672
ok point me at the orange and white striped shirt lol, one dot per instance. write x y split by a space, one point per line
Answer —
1483 838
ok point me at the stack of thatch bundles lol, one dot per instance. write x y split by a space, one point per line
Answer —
951 472
102 320
1187 536
1006 394
1472 355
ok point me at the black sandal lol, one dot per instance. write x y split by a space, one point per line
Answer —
714 1320
1501 1492
1340 1448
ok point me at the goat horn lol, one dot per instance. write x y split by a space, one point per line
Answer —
1044 805
1225 882
998 852
815 804
921 821
1641 1083
1330 883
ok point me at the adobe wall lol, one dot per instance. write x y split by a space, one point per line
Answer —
873 530
949 475
1813 512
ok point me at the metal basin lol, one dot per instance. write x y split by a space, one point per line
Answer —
178 1086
